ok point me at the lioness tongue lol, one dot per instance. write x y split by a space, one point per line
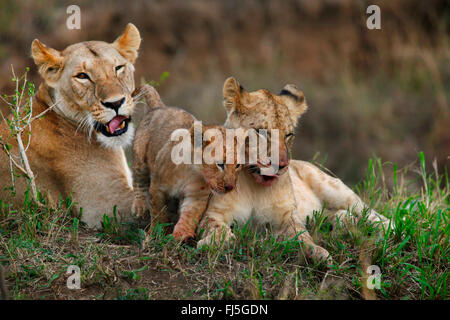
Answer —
115 123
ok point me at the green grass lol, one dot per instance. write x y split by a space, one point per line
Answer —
38 243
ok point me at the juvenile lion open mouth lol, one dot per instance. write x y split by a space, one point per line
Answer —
115 127
265 180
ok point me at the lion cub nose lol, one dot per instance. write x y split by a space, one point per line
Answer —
115 105
228 187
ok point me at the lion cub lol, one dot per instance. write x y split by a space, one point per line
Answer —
284 199
156 175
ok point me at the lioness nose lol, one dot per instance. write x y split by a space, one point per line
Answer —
115 105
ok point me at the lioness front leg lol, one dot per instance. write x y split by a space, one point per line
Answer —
191 212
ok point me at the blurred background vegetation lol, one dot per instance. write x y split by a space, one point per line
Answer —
370 92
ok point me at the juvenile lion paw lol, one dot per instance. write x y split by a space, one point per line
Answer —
318 254
322 255
218 239
139 207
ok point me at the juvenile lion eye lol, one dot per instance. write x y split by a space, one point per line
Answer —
82 75
221 166
118 68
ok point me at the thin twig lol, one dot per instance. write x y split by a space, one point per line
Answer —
18 166
45 111
16 130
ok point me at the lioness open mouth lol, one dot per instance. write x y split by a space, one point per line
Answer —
115 127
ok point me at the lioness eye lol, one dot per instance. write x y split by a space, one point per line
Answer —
238 165
289 135
119 68
82 75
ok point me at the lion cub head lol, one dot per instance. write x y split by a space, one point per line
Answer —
219 165
91 84
263 109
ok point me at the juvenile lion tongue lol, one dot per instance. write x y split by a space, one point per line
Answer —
115 123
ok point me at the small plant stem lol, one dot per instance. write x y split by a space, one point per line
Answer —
26 164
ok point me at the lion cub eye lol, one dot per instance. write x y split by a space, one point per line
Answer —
221 166
262 132
82 76
118 68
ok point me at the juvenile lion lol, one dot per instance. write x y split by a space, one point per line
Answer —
76 148
286 198
156 174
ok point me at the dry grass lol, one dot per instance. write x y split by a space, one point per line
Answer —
38 244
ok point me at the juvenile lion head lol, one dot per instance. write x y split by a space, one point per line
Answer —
92 82
263 109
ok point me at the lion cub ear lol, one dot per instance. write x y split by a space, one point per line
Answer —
128 43
232 94
294 99
49 61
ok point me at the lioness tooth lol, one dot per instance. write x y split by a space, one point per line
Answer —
122 125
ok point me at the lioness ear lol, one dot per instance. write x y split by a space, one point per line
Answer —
232 93
49 61
294 100
128 43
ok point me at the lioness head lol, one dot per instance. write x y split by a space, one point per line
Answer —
262 109
91 83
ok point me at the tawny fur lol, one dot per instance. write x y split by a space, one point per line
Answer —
157 178
300 188
68 156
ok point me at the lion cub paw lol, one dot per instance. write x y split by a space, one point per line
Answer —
181 234
139 207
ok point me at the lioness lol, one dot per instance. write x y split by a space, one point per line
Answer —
76 149
157 176
283 199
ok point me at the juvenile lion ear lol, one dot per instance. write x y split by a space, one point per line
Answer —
294 99
128 43
232 94
194 134
49 61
